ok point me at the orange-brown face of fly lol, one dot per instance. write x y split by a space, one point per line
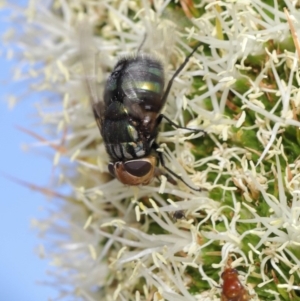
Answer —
134 172
232 289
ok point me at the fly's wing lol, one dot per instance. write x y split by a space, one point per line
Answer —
88 56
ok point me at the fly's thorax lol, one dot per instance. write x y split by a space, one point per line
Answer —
116 125
134 172
116 110
128 150
124 137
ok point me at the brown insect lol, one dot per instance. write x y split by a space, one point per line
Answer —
232 288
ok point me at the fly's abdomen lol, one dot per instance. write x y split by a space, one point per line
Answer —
137 81
143 83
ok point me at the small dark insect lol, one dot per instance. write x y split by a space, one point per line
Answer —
232 288
179 214
129 118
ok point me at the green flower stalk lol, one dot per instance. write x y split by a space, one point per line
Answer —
165 241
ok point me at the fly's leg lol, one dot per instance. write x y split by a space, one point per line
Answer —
159 172
142 44
161 116
170 83
162 161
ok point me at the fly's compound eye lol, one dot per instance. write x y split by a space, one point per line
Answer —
134 172
138 168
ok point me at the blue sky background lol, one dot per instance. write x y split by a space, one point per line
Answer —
20 267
